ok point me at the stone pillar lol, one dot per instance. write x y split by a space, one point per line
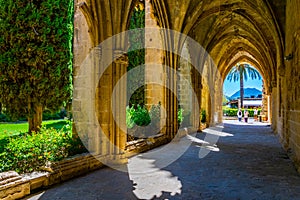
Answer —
155 76
206 93
111 107
185 94
269 109
264 107
275 101
120 66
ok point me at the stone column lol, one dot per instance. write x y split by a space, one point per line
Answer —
111 107
264 107
154 93
185 94
120 67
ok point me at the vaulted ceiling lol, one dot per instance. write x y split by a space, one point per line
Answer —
231 31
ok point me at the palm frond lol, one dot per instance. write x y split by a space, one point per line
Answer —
253 73
233 75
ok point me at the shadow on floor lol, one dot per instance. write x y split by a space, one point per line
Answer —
250 164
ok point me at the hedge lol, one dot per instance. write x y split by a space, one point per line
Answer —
232 112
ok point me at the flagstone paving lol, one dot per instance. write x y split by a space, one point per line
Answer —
232 161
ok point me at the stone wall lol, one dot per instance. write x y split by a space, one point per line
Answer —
82 43
291 92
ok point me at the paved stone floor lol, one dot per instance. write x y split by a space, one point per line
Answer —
233 161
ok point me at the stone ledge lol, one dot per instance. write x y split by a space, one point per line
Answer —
142 145
15 186
72 167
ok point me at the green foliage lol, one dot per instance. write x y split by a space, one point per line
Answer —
203 116
141 116
130 111
136 57
14 130
29 152
243 70
137 116
232 112
47 115
180 116
35 54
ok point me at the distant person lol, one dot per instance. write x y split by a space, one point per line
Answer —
246 115
240 115
255 113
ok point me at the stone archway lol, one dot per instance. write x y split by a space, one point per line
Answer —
93 91
261 32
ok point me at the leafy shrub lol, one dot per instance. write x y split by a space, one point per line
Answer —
129 113
139 116
3 117
29 152
180 115
232 112
47 115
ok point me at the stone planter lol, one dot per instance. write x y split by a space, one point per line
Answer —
15 186
72 167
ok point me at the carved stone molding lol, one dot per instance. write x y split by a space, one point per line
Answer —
120 57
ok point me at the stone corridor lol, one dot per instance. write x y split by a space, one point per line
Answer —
247 162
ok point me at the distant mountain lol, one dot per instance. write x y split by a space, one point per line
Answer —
248 93
227 97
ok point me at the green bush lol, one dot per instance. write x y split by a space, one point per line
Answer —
47 115
139 116
142 117
180 115
232 112
30 152
3 118
129 113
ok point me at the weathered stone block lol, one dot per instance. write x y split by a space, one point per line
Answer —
13 186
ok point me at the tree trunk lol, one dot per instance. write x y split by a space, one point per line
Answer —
35 121
242 90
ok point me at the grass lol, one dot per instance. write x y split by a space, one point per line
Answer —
11 129
8 129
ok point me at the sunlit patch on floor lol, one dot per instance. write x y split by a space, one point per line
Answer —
217 133
150 181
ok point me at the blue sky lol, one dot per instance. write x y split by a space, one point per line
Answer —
230 88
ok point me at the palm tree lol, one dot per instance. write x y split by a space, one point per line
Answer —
241 72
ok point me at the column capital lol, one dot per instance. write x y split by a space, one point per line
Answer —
120 57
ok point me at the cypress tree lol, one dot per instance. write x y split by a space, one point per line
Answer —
35 57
